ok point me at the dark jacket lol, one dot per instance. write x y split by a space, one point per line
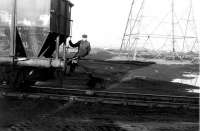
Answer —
83 47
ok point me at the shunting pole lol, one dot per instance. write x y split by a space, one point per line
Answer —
173 39
13 31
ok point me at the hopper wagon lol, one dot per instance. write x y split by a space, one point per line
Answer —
31 34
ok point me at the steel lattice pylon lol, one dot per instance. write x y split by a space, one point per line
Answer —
133 33
129 42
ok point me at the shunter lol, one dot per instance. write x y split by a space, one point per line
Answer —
84 49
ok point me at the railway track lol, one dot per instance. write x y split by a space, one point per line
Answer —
107 97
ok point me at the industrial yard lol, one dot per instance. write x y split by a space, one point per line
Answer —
136 77
146 78
44 115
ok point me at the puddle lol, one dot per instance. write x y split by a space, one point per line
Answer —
190 79
194 90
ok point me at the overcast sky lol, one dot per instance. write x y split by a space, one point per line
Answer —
104 20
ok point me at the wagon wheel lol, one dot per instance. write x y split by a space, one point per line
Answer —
59 75
96 82
18 79
13 80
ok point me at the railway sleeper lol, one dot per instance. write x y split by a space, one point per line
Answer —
103 100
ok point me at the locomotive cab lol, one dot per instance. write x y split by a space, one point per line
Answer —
31 32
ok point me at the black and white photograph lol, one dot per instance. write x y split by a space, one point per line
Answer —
99 65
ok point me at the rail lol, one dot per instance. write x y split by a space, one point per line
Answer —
106 97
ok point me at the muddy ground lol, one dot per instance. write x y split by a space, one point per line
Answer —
44 115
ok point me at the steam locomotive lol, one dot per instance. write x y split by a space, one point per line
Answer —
31 34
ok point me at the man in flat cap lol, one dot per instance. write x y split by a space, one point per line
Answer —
83 50
83 47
